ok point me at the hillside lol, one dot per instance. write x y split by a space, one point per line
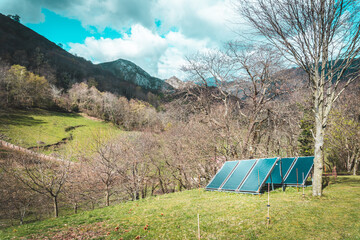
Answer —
21 45
222 216
52 132
130 72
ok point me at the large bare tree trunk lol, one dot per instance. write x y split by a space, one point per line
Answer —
320 36
318 154
356 166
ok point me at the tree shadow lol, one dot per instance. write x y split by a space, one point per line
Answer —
40 112
348 179
16 120
23 118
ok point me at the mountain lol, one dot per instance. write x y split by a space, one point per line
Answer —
21 45
178 84
130 72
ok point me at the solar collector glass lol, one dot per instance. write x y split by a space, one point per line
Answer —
302 166
223 173
276 175
238 175
258 175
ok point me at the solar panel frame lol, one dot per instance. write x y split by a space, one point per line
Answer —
290 168
305 176
212 189
233 172
263 181
281 174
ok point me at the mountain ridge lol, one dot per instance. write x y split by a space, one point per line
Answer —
21 45
135 74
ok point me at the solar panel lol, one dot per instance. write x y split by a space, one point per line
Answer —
300 171
280 170
258 175
248 176
238 175
221 176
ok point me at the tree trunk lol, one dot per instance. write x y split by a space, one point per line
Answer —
318 154
75 208
349 162
144 191
56 209
356 166
246 141
22 215
107 198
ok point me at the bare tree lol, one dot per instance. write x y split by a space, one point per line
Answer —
343 136
16 199
134 167
247 78
321 37
77 187
258 80
105 164
44 177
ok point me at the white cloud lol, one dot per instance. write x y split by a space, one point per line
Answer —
174 57
160 51
195 19
159 56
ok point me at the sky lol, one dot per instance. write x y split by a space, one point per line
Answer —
157 35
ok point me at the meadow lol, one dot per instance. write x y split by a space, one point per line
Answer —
335 215
53 132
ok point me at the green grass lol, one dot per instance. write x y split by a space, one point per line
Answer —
27 128
222 216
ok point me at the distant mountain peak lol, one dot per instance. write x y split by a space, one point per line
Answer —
135 74
178 84
23 46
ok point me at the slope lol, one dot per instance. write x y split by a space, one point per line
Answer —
21 45
222 216
53 132
132 73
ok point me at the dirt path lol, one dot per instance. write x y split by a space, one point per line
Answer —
11 146
91 118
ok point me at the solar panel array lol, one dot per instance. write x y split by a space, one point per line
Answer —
299 171
249 176
238 175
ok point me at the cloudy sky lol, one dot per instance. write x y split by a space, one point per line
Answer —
154 34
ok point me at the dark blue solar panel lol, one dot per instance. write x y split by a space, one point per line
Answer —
238 175
222 175
301 168
276 175
258 175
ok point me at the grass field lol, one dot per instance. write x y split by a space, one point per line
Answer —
73 132
336 215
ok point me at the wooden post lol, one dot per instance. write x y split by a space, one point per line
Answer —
259 182
297 180
268 205
199 236
303 185
198 215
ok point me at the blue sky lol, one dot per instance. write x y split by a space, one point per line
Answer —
59 29
157 35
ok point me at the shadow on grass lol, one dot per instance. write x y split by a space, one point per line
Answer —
16 120
21 117
51 113
348 179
